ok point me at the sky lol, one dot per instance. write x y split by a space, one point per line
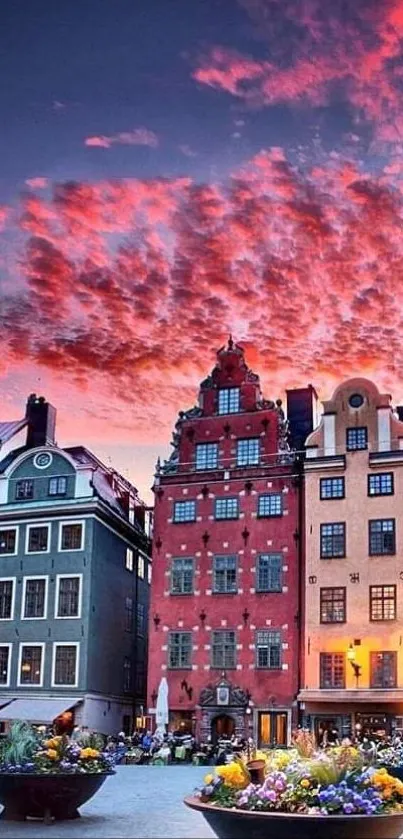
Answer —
171 172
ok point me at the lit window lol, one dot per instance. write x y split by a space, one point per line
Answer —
180 650
248 452
140 567
226 508
332 671
382 601
129 559
35 590
228 400
8 541
270 504
331 488
332 605
182 576
65 664
224 570
6 599
149 573
57 486
68 597
380 484
268 649
223 649
269 572
333 540
184 511
31 664
357 438
382 539
72 537
206 456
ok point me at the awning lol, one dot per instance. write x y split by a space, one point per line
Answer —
36 710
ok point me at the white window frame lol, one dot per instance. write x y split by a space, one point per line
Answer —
13 580
24 589
10 654
17 538
80 597
31 527
64 523
141 562
75 644
129 565
40 644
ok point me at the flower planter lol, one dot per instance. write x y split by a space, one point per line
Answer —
238 824
47 796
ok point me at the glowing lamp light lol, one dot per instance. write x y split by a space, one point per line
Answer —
26 668
351 653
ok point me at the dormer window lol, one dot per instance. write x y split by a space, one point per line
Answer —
228 400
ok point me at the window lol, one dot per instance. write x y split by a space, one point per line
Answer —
31 664
381 484
268 649
24 490
206 456
38 539
270 504
6 599
228 400
8 541
140 619
382 537
332 670
57 486
223 649
182 576
356 400
224 574
149 573
5 655
382 603
68 597
184 511
34 597
332 605
128 614
332 540
140 567
180 650
269 572
357 438
129 559
127 674
331 488
71 537
65 665
248 452
226 508
383 666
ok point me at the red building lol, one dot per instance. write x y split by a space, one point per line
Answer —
224 626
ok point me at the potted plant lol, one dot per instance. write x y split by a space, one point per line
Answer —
49 777
332 794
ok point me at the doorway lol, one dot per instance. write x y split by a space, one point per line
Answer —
273 727
222 726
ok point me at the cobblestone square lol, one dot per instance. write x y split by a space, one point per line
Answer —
139 801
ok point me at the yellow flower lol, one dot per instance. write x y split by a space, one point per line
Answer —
51 744
52 754
305 783
232 775
208 779
88 754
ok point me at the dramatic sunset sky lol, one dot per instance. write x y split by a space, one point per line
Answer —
173 170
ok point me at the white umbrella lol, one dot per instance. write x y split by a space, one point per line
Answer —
162 712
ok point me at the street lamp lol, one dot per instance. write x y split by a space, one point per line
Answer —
356 667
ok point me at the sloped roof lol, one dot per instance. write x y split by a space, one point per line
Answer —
9 429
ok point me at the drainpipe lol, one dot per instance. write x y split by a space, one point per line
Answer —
301 570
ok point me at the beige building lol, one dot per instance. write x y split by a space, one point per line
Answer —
353 621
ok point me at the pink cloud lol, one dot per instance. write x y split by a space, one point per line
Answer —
136 137
37 183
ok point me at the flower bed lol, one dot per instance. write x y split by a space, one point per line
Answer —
49 777
335 787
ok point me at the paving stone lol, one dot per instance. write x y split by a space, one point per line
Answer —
139 802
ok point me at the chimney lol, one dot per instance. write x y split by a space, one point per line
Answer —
302 414
41 418
399 411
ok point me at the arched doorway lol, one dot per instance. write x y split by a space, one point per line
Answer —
222 726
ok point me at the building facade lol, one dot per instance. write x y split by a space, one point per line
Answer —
353 658
224 617
74 584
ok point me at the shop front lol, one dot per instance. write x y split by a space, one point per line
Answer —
332 722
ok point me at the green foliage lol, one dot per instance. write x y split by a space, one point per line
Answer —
20 744
89 740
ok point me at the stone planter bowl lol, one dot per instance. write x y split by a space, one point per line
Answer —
47 797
